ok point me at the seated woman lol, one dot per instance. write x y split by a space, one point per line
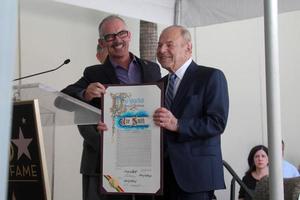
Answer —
258 167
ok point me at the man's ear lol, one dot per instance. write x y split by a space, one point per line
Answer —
189 46
129 35
101 43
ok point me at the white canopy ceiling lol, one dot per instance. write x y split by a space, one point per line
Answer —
192 12
158 11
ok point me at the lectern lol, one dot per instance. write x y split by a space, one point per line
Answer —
37 111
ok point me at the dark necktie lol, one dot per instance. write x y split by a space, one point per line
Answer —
170 91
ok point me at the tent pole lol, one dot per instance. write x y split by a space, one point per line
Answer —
273 99
177 12
8 21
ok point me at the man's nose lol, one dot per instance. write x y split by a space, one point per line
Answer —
162 48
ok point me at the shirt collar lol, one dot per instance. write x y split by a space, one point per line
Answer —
180 72
132 58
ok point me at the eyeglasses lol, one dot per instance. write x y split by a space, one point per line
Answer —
112 36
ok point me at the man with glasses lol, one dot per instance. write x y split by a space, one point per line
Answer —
120 67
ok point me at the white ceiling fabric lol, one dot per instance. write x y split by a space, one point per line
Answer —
206 12
193 12
158 11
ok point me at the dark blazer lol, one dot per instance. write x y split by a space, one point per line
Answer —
105 74
201 107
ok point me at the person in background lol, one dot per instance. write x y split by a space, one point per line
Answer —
289 170
101 54
120 67
193 118
258 162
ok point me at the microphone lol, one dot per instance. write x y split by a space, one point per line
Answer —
51 70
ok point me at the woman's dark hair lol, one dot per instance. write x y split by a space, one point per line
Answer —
251 157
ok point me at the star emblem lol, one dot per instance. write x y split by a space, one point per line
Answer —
22 144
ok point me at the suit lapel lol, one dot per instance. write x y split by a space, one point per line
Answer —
110 72
183 87
144 70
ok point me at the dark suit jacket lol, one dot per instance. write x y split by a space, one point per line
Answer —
201 107
105 74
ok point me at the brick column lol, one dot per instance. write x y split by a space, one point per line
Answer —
148 40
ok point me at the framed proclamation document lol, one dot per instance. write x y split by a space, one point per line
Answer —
132 145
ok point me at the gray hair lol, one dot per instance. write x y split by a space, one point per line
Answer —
184 32
107 19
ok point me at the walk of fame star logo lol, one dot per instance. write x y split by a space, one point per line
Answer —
22 144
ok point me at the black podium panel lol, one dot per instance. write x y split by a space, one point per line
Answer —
27 166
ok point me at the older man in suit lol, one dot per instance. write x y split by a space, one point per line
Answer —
193 119
120 67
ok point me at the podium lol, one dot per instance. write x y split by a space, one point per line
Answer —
54 109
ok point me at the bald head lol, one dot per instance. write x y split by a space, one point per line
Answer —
185 34
174 47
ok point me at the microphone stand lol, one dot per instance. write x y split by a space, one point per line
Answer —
17 94
51 70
